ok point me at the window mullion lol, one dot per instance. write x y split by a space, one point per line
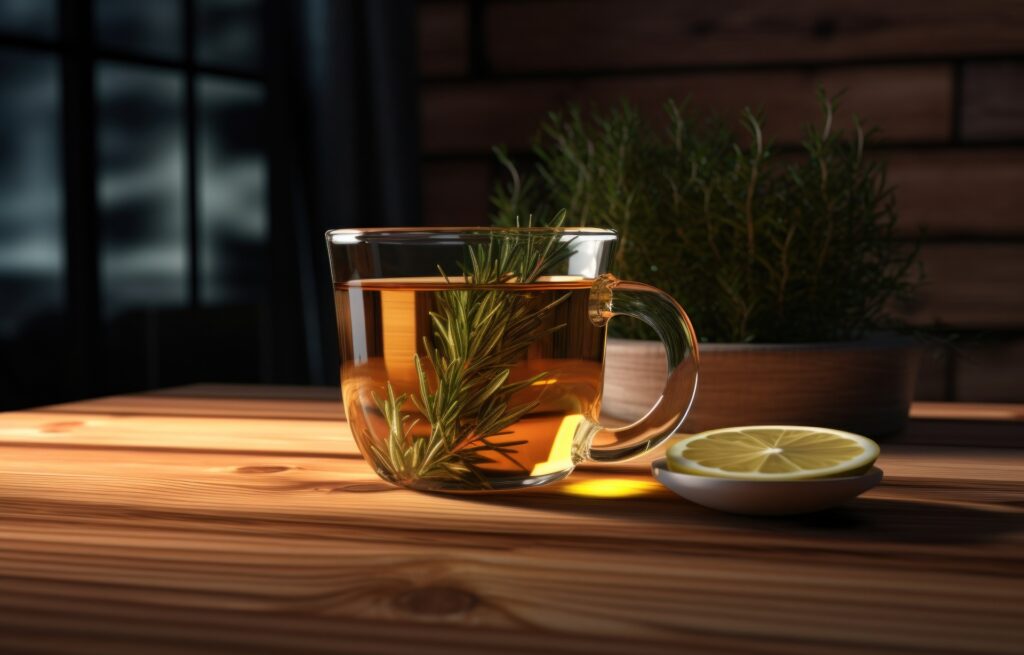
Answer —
81 223
191 155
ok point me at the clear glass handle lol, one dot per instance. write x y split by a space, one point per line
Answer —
610 297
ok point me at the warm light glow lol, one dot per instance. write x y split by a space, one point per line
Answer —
559 278
560 458
398 313
611 487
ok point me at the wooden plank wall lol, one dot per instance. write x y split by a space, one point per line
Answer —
944 80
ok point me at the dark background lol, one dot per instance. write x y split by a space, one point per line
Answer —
944 81
167 171
168 167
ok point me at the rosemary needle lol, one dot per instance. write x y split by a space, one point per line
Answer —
479 334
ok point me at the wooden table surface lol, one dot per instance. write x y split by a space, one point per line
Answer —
242 519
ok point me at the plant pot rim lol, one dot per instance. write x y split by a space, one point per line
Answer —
882 340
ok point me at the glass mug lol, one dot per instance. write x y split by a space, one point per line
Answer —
472 359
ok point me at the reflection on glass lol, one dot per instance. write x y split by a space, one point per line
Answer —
233 222
229 33
152 27
29 17
31 202
141 187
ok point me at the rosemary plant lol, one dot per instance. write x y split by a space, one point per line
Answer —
757 245
480 332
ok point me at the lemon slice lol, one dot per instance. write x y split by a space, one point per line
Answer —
773 452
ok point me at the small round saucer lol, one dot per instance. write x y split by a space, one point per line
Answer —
766 498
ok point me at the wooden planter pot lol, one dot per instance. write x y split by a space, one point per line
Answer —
861 386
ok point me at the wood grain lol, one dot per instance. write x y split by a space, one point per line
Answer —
976 192
942 81
968 411
457 192
993 101
320 403
969 286
116 542
443 38
863 387
991 370
587 35
934 378
912 102
948 193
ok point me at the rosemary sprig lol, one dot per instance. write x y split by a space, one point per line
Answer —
479 334
758 243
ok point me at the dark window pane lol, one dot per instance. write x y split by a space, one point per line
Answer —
31 201
29 17
141 187
150 27
233 222
229 33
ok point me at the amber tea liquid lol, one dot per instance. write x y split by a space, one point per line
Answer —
382 325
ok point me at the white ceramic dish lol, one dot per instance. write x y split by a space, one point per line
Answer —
765 498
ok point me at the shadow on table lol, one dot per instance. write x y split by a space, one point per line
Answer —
910 521
864 519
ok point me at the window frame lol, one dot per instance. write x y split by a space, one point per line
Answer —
77 54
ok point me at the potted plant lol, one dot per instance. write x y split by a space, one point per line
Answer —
785 260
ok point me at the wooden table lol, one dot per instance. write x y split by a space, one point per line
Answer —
215 519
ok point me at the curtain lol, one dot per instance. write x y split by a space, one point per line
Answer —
343 85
